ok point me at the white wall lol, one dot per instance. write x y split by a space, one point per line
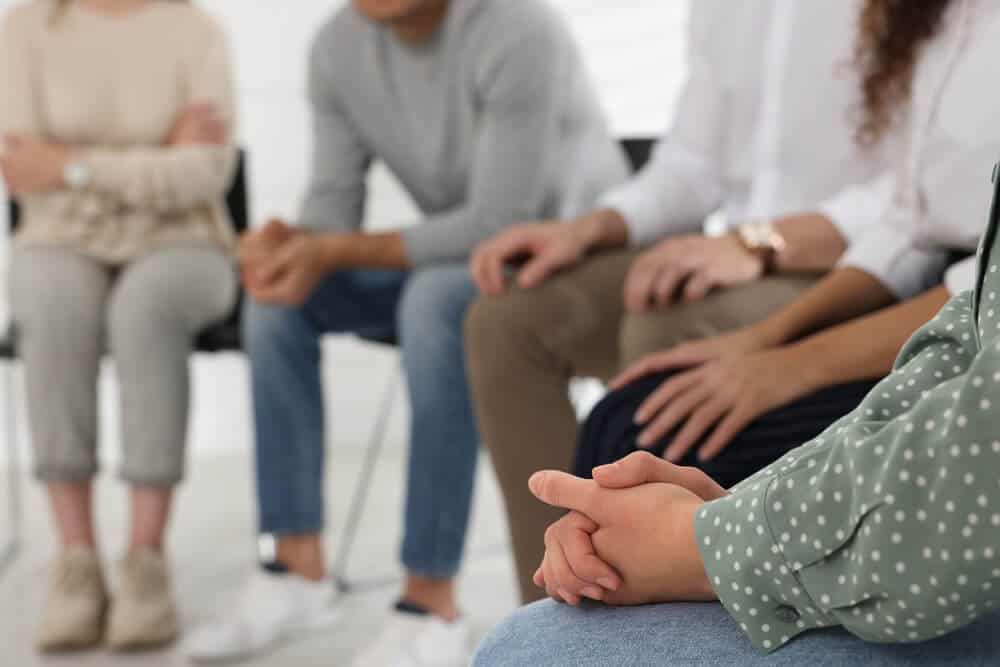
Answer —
634 48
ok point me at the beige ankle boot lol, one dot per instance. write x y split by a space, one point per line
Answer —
142 610
73 617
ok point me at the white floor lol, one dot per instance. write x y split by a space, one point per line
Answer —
211 541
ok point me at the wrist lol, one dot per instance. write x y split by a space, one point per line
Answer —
762 257
603 228
701 586
802 365
333 249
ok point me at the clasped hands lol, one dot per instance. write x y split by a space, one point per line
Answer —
629 536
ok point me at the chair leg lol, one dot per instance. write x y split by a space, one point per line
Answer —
13 544
362 489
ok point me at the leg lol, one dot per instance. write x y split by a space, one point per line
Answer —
283 345
158 305
522 350
58 299
610 433
444 443
704 635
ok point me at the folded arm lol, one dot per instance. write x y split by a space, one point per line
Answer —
175 178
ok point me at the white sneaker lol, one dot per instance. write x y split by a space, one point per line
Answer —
271 608
414 640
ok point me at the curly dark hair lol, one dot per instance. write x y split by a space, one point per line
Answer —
891 36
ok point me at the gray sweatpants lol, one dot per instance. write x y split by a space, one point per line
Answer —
69 309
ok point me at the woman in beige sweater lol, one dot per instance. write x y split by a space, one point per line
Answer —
115 117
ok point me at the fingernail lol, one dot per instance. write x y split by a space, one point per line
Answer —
593 593
608 584
535 482
644 440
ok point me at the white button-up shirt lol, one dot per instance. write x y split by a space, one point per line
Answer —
942 189
764 125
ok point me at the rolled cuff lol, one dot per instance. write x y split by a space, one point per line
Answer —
961 276
894 260
746 564
673 194
855 210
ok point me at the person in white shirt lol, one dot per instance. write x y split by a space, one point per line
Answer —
763 139
770 386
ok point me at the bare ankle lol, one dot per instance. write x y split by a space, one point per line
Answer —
435 595
302 555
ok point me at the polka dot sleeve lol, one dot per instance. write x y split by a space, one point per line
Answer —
888 524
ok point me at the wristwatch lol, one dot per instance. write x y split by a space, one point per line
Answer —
76 175
762 238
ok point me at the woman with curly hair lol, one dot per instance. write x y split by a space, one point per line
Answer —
732 404
881 530
115 118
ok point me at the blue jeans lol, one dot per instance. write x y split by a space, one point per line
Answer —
426 309
547 634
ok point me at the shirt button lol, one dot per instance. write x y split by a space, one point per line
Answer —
787 614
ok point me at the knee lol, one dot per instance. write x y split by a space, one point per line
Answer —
139 321
496 328
518 640
641 335
433 305
266 327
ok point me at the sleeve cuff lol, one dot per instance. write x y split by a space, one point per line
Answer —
634 207
747 567
892 259
961 277
856 209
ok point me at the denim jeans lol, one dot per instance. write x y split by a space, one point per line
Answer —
425 309
547 634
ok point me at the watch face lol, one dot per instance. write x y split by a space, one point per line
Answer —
77 176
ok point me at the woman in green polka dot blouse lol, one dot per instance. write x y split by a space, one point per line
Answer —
885 528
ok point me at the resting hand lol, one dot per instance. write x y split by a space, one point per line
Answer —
545 247
199 124
723 397
646 534
688 355
572 570
29 166
687 268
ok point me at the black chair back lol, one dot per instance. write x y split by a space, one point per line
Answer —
638 150
237 200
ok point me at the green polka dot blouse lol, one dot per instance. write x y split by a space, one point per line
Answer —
887 524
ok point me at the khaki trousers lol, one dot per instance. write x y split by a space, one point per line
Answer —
523 348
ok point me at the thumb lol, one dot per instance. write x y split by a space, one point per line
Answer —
537 270
643 468
560 489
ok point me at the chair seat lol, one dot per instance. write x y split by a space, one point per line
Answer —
225 337
8 349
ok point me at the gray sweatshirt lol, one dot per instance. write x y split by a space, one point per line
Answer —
491 122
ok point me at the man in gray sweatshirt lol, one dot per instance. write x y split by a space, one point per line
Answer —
483 111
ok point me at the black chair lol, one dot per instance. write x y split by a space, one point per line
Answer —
222 337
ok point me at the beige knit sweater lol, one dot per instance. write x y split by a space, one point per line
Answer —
113 87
